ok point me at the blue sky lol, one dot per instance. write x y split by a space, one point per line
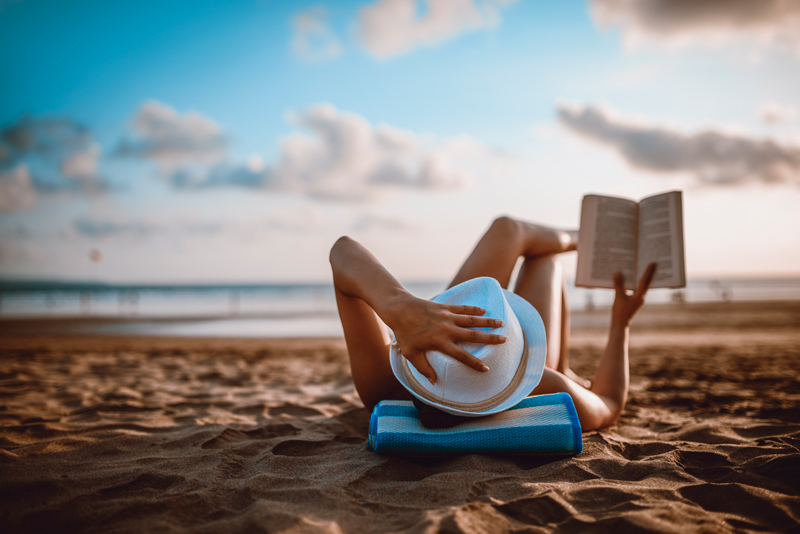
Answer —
213 141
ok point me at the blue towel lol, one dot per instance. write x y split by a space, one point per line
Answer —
544 424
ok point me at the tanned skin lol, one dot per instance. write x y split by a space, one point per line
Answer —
370 298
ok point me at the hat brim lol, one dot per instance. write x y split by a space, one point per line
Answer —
531 322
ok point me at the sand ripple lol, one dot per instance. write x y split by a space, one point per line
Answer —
137 435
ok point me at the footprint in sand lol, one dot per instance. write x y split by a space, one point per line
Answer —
294 410
299 447
230 436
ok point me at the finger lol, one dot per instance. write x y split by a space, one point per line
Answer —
421 364
647 279
474 336
619 283
465 357
463 309
473 321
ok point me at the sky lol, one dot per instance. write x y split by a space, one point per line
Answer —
234 142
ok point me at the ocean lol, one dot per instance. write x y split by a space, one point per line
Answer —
284 310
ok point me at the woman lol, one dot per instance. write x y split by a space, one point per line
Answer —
369 298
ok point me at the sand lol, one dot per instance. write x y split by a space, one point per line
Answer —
144 434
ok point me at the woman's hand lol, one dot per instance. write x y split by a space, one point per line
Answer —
421 325
625 305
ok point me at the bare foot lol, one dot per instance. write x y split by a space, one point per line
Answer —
568 239
573 239
541 240
569 373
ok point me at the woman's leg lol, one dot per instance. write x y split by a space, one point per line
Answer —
504 242
563 362
540 280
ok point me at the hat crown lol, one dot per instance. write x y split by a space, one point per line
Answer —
458 384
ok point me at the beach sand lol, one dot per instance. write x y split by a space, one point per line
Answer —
223 435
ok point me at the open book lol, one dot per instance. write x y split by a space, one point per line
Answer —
619 234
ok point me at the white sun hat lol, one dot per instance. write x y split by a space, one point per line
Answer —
515 367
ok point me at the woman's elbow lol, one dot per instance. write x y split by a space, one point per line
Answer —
597 417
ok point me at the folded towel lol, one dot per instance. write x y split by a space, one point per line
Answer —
544 424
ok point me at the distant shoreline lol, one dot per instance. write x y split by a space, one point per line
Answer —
669 323
31 285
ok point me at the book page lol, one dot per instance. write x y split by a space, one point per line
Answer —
607 241
661 239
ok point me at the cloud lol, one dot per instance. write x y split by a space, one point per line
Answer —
686 22
712 156
375 222
392 27
14 231
82 165
344 157
222 175
104 228
771 113
16 189
61 152
97 228
21 250
313 38
173 139
53 137
296 220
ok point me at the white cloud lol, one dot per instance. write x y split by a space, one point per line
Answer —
771 113
100 228
305 218
43 137
56 148
82 165
369 222
392 27
707 22
313 38
173 139
255 163
344 157
16 189
121 226
712 156
23 251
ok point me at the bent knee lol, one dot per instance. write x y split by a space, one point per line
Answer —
338 244
505 227
342 240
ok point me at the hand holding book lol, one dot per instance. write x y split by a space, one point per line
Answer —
625 305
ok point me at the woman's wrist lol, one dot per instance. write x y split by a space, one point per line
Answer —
619 327
389 304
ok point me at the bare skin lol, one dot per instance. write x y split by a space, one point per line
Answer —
369 298
540 280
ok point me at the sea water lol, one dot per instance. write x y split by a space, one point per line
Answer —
286 310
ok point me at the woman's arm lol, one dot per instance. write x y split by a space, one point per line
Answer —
603 404
418 324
